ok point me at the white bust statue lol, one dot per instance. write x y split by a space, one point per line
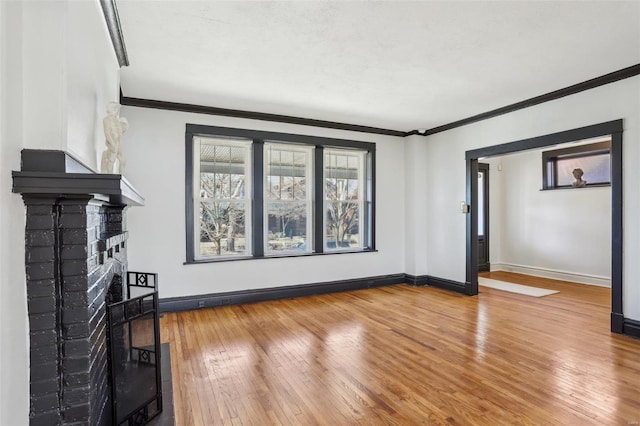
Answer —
114 128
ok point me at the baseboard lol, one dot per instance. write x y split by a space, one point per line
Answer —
416 280
631 328
552 274
445 284
187 303
617 322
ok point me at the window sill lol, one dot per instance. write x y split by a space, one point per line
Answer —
276 256
595 185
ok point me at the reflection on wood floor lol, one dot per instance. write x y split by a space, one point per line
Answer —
407 355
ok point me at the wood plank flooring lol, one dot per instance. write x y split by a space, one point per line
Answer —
403 355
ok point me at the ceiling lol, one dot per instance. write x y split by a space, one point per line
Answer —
395 64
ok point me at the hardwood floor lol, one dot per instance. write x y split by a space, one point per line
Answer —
407 355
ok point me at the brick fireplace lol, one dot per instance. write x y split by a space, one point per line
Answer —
75 252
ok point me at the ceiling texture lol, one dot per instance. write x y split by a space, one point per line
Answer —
397 64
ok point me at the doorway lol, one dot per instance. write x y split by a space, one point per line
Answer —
612 128
483 218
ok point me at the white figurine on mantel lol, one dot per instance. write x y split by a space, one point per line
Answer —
114 128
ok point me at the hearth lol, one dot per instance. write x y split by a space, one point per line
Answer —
76 265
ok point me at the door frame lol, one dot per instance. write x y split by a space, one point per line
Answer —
612 128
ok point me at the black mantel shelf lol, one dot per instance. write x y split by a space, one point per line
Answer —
46 172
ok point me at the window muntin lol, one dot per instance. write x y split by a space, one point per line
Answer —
222 177
288 198
249 230
344 172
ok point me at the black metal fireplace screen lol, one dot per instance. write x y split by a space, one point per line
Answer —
134 339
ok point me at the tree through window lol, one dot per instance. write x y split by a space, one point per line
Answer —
256 194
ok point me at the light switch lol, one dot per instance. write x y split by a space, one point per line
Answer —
464 207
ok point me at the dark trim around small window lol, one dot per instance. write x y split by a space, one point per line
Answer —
259 137
579 151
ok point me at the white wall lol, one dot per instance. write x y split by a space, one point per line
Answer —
563 234
92 80
14 332
70 73
155 148
416 203
57 71
446 172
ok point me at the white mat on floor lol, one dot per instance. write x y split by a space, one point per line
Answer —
515 288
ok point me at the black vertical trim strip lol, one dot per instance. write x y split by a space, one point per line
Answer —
471 284
112 19
188 196
616 229
372 183
258 198
318 207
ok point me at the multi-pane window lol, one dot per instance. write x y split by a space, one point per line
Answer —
288 198
223 179
344 200
254 194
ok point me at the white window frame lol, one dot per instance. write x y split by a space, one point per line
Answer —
363 189
309 191
247 199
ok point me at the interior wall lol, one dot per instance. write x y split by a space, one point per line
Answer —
155 145
446 172
92 74
70 73
415 176
57 70
563 234
14 331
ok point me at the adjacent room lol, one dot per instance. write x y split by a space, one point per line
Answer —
319 212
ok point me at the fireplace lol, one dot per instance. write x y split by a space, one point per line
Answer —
76 264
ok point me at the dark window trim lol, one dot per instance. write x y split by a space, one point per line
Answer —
579 151
259 137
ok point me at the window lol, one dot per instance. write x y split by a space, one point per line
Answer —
344 201
577 166
223 177
288 198
253 194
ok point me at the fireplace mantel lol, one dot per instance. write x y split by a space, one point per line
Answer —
57 173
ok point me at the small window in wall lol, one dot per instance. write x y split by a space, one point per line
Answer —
577 166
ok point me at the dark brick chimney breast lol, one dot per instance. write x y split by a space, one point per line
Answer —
75 244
